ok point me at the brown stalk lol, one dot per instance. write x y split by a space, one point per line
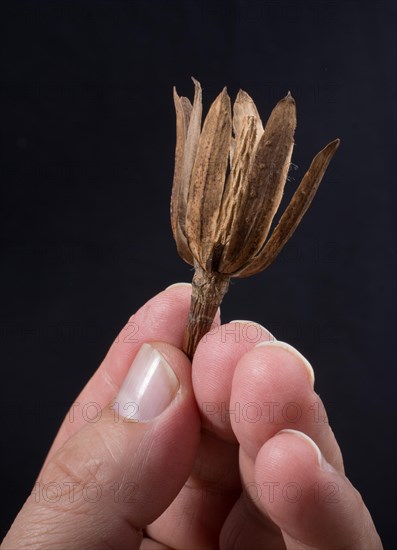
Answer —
208 290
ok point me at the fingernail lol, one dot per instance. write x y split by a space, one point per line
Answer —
324 465
262 330
295 353
148 388
178 284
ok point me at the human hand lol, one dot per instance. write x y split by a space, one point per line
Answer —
209 464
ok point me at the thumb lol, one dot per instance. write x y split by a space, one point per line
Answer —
118 474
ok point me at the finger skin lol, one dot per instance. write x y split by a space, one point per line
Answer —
214 485
113 477
310 501
213 369
162 318
221 376
247 526
204 502
272 391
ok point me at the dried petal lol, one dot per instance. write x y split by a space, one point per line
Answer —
191 145
235 187
294 212
183 109
243 107
207 181
188 121
264 189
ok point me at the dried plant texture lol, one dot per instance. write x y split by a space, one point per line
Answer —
229 179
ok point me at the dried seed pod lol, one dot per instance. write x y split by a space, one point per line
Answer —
221 218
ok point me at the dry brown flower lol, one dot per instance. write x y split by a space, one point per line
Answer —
229 179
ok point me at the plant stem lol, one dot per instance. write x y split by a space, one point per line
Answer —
208 290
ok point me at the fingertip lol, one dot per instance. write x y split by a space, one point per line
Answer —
310 501
157 373
181 293
214 365
253 332
178 293
178 361
271 390
321 462
295 353
178 285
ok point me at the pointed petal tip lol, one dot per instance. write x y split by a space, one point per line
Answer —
223 96
289 97
243 96
196 82
333 145
175 95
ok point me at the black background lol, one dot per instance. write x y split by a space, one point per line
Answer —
87 146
